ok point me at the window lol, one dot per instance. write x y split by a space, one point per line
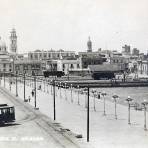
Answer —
4 65
36 56
78 66
31 56
63 66
40 55
71 66
45 55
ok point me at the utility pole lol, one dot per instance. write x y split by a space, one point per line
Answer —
88 114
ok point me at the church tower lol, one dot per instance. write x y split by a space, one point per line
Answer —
89 45
13 41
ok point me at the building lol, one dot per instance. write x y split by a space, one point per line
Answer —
50 54
29 66
89 45
135 52
5 61
142 67
126 51
104 71
13 42
91 58
116 58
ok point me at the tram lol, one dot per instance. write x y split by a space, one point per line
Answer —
7 113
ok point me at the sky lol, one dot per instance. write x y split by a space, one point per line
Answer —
66 24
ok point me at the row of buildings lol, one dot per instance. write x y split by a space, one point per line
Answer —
68 61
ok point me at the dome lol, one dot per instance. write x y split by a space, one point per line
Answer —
2 43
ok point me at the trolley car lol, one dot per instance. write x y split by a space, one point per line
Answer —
7 113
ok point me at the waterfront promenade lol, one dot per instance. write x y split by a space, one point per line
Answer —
32 129
105 131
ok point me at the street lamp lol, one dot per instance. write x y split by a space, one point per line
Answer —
71 93
78 95
24 86
60 90
115 97
85 93
65 92
10 81
145 103
4 80
93 92
16 85
129 99
104 94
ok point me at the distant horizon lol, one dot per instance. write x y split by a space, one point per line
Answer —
66 24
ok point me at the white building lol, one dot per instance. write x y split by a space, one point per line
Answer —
50 54
5 62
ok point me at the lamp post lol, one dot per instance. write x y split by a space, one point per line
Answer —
54 100
71 93
16 85
65 92
44 84
60 90
51 86
104 94
4 80
34 91
129 99
10 82
94 91
78 95
145 103
85 95
24 86
115 97
88 114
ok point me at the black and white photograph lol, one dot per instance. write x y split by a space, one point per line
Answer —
73 73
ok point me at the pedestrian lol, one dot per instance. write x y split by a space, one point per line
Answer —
32 93
99 96
29 98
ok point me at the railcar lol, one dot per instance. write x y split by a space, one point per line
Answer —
7 113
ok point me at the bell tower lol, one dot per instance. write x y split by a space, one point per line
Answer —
13 41
89 45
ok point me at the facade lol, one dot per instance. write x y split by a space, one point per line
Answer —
13 42
69 66
5 61
91 58
29 66
104 71
50 54
142 67
135 52
89 45
126 50
64 65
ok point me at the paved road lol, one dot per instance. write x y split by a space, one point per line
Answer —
33 129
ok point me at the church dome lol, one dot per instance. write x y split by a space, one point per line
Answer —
2 45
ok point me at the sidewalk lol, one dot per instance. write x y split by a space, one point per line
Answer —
105 131
32 129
